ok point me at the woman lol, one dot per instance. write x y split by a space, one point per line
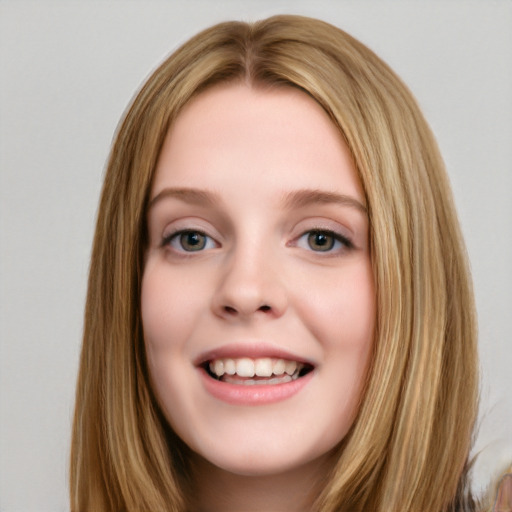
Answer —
274 186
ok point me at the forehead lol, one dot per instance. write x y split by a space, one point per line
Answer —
278 136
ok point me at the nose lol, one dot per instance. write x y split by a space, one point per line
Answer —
250 286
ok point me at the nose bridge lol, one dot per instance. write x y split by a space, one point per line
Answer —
251 281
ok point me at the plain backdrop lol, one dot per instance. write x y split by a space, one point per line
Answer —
67 71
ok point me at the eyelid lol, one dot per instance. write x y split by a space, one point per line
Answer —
188 223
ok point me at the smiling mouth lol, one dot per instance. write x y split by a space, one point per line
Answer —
260 371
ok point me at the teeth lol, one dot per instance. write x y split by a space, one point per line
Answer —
261 382
280 367
229 366
245 367
261 367
290 367
218 367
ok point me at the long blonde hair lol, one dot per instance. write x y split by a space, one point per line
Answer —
409 445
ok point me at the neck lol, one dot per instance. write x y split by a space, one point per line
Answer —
218 490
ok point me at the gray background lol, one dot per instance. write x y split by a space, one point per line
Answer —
67 71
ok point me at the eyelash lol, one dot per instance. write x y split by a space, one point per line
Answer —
335 238
176 235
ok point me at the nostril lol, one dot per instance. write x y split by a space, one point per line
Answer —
233 311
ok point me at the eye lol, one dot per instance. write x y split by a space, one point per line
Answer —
189 241
323 241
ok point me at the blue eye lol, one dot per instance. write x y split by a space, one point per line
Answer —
323 241
189 241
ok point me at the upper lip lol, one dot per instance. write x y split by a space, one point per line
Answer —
252 350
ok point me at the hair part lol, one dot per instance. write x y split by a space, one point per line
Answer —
409 445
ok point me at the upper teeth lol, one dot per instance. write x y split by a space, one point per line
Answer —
247 367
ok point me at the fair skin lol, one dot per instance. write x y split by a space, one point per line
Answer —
258 261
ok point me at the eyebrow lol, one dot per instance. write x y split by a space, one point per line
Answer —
188 195
291 200
306 197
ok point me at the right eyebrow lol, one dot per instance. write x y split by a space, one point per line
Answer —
187 195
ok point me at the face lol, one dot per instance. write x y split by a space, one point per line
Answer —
258 300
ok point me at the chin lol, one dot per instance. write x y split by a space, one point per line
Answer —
255 464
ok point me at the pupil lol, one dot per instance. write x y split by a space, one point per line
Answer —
320 241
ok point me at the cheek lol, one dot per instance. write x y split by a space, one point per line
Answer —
168 308
340 313
340 309
167 317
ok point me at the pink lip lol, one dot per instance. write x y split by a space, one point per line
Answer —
252 350
237 394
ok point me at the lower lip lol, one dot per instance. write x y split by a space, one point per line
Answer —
239 394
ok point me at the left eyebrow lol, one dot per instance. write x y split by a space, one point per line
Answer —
302 198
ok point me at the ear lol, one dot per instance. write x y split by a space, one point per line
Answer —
503 501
